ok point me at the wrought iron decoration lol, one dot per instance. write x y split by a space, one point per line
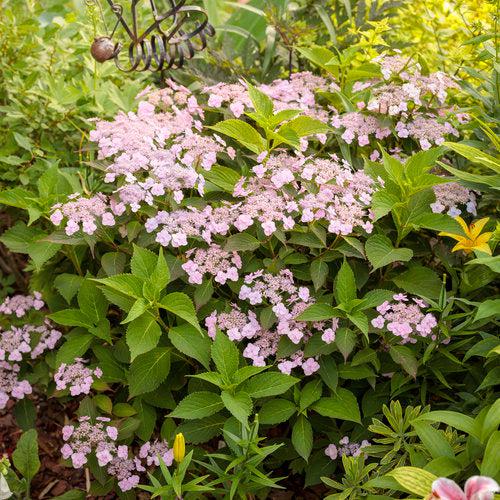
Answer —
174 37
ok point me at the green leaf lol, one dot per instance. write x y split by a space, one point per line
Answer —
261 102
225 355
268 384
343 406
76 345
68 285
276 411
198 405
239 404
92 301
25 456
419 280
302 437
416 480
490 465
244 133
113 263
310 393
318 312
452 418
375 297
143 334
143 262
25 414
241 242
181 305
202 430
160 277
345 284
188 340
137 309
319 273
304 126
71 317
345 340
329 373
404 356
380 252
148 371
434 440
127 284
487 308
223 177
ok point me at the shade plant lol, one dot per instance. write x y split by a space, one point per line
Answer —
264 274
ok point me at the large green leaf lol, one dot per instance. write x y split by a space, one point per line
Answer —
380 252
148 371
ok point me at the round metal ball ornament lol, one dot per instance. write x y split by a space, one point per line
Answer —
166 41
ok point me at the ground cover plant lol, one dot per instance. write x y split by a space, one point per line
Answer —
273 274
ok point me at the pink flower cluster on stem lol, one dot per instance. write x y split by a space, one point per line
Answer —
76 376
405 318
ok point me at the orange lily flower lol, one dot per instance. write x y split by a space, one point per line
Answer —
473 239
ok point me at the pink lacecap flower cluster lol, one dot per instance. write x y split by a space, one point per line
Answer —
76 376
287 301
21 304
213 260
296 93
450 195
405 318
416 100
32 339
345 448
81 213
476 488
19 343
10 385
100 438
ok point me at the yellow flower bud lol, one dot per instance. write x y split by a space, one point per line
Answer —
179 448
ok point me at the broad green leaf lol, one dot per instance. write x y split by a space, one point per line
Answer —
143 334
319 273
198 405
345 340
71 317
188 340
342 405
202 430
160 277
68 285
241 242
380 252
244 133
92 301
276 411
416 480
143 262
225 355
181 305
345 284
148 371
302 437
76 345
454 419
404 356
127 284
261 102
490 465
268 384
318 312
419 280
239 405
25 456
434 440
25 414
310 393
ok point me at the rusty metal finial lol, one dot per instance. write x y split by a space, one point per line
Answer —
174 37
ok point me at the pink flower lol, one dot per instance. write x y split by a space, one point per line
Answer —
476 488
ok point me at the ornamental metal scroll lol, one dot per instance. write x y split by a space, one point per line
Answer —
173 38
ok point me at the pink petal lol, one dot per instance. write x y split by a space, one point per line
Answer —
446 489
480 488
